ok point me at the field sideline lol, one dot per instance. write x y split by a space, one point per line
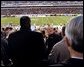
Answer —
56 20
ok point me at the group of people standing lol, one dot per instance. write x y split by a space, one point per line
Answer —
27 48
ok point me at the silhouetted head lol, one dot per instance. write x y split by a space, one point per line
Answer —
25 22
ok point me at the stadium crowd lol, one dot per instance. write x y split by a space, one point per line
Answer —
44 46
41 10
54 3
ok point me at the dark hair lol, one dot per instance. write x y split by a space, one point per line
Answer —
25 22
63 30
43 32
7 28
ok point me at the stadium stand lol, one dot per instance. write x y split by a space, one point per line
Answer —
31 7
49 33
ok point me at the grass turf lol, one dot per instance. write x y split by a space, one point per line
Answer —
56 20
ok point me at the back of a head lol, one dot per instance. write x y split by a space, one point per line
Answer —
25 22
74 32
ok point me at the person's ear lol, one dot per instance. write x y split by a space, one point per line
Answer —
67 41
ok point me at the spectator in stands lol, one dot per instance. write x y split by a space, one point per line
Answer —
74 41
59 52
52 39
4 56
7 31
44 36
26 47
3 34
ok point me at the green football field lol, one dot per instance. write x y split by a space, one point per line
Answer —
56 20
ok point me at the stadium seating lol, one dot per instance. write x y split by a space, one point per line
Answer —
42 10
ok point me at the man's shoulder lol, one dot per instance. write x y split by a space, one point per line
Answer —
60 43
13 33
60 47
16 33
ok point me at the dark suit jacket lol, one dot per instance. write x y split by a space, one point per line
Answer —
52 40
71 62
26 47
59 53
4 55
74 62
